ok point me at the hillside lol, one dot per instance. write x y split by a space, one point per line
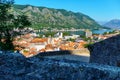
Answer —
48 18
115 24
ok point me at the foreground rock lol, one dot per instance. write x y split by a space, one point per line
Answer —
14 66
106 52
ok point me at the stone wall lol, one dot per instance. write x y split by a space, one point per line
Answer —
14 66
106 52
76 55
66 52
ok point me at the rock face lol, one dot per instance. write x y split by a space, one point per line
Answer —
106 51
14 66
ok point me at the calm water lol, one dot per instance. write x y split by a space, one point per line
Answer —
102 31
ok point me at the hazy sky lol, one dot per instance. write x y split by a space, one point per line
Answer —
100 10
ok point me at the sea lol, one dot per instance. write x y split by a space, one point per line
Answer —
101 31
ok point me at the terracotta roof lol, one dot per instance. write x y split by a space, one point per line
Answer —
39 40
42 50
26 54
33 50
49 46
18 48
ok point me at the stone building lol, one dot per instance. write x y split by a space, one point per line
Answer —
88 33
106 52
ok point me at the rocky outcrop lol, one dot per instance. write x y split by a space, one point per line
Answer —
106 52
14 66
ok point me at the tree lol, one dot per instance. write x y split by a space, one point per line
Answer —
9 21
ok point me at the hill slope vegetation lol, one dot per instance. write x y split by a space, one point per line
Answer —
49 18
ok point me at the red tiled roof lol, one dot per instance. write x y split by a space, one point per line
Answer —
38 40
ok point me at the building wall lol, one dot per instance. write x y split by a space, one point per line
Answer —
88 33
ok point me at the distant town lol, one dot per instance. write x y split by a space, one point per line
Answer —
32 43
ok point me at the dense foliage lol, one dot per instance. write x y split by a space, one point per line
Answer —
8 22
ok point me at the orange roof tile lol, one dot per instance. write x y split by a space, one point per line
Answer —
42 50
49 46
38 40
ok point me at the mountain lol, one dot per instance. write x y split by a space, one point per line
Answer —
49 18
115 24
101 22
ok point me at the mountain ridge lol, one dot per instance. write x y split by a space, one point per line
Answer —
43 17
114 23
